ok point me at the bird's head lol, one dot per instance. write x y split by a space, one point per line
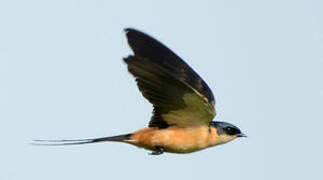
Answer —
226 131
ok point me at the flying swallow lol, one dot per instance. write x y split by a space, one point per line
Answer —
183 104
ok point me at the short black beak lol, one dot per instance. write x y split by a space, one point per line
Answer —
242 135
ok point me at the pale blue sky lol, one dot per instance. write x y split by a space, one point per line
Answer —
62 77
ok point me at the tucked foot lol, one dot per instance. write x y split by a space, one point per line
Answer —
158 151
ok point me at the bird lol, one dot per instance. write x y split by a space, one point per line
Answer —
183 104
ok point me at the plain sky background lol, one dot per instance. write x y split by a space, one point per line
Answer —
62 77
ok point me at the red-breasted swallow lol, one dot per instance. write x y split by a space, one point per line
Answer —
183 104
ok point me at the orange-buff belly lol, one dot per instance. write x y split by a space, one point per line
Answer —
174 139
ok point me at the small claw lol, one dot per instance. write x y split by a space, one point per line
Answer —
157 151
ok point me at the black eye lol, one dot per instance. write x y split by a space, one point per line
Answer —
231 131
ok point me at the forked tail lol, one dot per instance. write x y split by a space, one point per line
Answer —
119 138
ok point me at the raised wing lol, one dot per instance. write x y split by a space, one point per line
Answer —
148 47
179 96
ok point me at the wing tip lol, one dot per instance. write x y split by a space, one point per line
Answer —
130 30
